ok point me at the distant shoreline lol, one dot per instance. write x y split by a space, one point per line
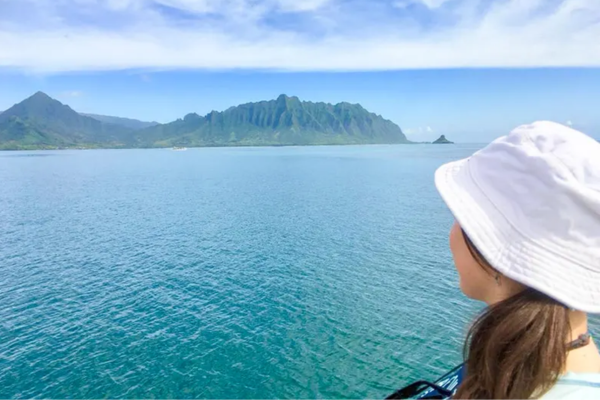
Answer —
220 146
42 123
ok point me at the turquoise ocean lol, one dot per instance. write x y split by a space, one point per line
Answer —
289 272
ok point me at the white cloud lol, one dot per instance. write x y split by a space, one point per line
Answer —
72 93
432 4
402 3
241 6
418 131
323 35
193 6
570 123
301 5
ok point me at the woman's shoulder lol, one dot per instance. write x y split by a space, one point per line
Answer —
575 386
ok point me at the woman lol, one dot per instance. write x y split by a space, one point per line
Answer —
526 241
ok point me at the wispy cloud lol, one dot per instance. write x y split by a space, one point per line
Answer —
80 35
72 93
428 3
419 130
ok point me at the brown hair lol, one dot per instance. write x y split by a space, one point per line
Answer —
517 348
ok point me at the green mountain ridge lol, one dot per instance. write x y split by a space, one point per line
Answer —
41 122
121 121
284 121
131 123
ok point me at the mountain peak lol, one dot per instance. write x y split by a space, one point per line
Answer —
35 105
41 99
40 96
39 93
191 117
285 97
43 122
287 102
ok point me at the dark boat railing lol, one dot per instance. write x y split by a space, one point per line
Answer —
443 388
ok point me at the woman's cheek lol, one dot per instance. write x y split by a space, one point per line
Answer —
471 275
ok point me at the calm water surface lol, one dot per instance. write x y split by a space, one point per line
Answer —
226 273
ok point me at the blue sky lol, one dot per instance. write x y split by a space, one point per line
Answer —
470 69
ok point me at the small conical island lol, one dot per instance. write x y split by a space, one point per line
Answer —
443 140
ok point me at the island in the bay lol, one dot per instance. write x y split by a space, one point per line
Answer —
41 122
442 140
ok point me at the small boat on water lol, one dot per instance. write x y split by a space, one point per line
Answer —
179 148
443 388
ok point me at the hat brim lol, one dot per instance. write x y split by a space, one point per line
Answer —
507 250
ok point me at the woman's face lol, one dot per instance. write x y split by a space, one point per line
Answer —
475 281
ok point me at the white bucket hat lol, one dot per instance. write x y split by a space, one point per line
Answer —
530 203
